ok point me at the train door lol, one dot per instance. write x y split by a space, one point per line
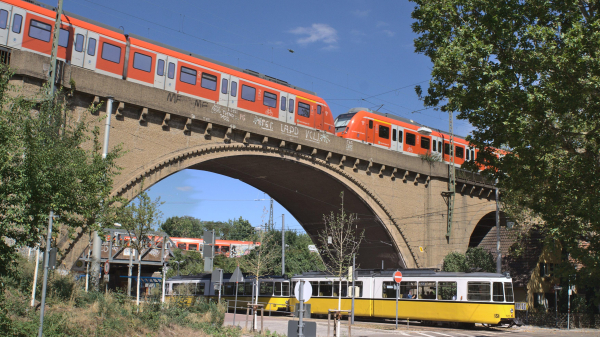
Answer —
78 52
161 68
224 91
17 25
233 91
395 146
171 74
5 15
283 106
291 109
370 129
91 51
319 117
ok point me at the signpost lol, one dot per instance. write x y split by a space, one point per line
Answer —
302 292
557 288
217 279
236 277
397 279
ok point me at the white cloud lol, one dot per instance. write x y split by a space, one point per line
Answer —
382 24
315 33
389 33
361 14
184 188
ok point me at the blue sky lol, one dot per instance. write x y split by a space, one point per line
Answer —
353 53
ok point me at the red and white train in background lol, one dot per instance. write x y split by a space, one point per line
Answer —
106 50
229 248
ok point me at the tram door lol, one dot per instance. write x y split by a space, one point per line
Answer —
5 15
91 50
224 90
17 25
78 52
161 71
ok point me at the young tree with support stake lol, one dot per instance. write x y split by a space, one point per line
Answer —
339 242
139 217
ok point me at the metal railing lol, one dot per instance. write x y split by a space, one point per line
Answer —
472 177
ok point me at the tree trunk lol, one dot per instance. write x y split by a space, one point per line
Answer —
340 295
138 283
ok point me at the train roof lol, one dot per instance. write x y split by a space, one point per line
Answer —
405 273
398 118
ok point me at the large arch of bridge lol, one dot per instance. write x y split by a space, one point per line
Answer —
307 187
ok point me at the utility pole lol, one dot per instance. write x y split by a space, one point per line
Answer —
45 281
282 245
452 179
55 48
499 257
271 227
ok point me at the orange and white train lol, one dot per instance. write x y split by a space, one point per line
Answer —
229 248
106 50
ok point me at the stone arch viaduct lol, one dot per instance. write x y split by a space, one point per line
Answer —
397 198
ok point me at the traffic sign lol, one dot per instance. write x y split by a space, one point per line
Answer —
237 276
306 291
397 276
106 267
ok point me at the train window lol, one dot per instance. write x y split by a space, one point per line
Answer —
270 99
3 18
408 289
248 289
384 132
460 152
209 81
188 75
291 105
357 288
427 290
303 109
266 288
91 46
508 292
193 246
160 68
79 43
434 146
399 136
111 53
336 289
248 93
498 292
315 288
371 124
394 135
142 62
388 290
447 290
478 291
240 289
285 289
39 30
472 154
439 146
283 101
181 246
224 85
199 289
277 288
63 38
325 288
229 289
171 70
447 148
425 143
467 154
233 88
318 109
411 139
17 21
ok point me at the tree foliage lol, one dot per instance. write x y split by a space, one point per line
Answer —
190 227
525 74
475 259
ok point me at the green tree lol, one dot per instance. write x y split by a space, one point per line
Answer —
183 227
475 259
241 230
525 75
455 262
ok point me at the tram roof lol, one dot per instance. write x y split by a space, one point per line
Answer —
405 273
226 277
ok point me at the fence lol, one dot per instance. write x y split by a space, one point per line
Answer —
548 319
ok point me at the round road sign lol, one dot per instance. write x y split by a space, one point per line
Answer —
106 267
397 276
306 291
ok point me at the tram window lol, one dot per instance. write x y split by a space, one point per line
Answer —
315 288
209 82
248 93
199 289
283 102
3 18
181 246
472 154
293 287
434 146
39 30
285 289
91 46
384 132
224 85
439 146
270 99
408 289
17 20
142 62
111 53
411 139
394 135
225 249
277 288
78 42
357 288
399 136
291 105
193 247
427 291
303 109
425 143
63 38
171 70
336 286
447 290
233 88
325 288
478 291
508 291
468 152
371 124
388 290
266 288
229 289
460 151
160 68
240 289
248 288
498 291
447 148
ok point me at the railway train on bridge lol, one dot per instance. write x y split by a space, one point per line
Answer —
106 50
229 248
425 295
